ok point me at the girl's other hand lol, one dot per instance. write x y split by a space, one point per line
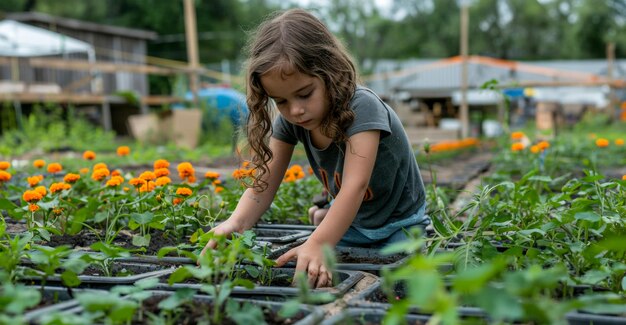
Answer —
310 259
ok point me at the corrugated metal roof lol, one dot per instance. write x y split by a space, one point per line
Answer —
441 76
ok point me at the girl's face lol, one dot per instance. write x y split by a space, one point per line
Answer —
300 98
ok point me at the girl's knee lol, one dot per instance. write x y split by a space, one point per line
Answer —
318 216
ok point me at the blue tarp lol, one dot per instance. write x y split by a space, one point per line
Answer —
228 102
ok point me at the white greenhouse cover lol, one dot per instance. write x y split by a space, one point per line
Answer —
22 40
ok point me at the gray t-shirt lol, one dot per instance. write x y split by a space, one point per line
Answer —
396 190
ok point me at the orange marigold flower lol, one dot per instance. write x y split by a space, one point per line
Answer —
116 173
184 191
4 176
245 164
54 168
517 135
290 177
218 189
211 175
602 143
89 155
517 146
42 190
217 182
147 176
126 189
113 182
39 163
84 170
34 180
619 142
191 179
177 201
535 149
123 151
238 174
31 196
33 207
71 178
624 177
310 170
100 174
161 163
161 172
99 166
162 181
543 145
148 186
4 165
137 182
185 169
57 187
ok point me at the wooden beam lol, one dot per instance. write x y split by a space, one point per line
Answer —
616 83
107 67
160 100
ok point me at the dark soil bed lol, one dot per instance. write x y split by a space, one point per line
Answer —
84 239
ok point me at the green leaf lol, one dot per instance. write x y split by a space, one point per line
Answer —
141 241
244 313
179 275
499 304
142 218
587 215
290 308
70 279
7 205
100 216
544 179
594 276
178 298
252 270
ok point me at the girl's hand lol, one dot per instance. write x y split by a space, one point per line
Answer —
223 229
310 259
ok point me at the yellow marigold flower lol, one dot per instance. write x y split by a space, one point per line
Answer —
116 173
245 164
148 186
71 178
162 181
123 151
161 172
39 163
517 135
535 149
4 165
212 175
602 143
54 168
57 187
89 155
4 176
543 145
33 207
34 180
42 190
218 189
84 170
147 176
113 182
619 142
126 189
161 163
517 146
177 201
99 166
57 211
184 191
31 196
137 182
100 174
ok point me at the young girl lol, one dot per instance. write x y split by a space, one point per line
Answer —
354 142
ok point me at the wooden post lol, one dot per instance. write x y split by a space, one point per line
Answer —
192 47
464 109
610 58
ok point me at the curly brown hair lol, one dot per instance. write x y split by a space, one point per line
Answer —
296 39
